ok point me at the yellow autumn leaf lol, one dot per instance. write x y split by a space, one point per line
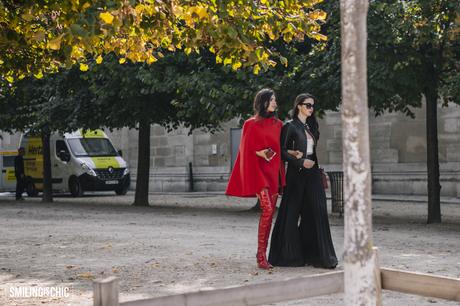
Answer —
189 20
319 36
10 79
39 75
122 60
318 15
106 17
1 62
188 50
256 69
218 59
227 61
212 50
99 59
236 65
177 10
55 44
139 9
83 67
151 59
76 52
202 12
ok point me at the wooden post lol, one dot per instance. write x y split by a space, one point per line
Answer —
361 287
105 292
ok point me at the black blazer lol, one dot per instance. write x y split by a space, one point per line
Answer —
293 137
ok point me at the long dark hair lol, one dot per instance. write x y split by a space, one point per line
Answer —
311 121
261 102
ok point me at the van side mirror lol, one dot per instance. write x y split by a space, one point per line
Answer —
64 156
120 152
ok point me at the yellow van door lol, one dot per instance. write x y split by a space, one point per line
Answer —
33 161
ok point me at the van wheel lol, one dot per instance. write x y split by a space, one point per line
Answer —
31 190
121 190
76 189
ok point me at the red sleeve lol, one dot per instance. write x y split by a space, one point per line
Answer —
246 178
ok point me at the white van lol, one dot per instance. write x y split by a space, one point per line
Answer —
80 161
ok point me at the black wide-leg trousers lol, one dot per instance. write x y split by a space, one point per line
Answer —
302 233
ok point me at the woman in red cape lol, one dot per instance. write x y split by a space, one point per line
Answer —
258 170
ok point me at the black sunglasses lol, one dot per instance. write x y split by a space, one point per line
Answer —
308 105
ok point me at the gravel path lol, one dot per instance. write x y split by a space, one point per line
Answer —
186 242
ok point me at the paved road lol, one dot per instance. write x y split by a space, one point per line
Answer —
186 242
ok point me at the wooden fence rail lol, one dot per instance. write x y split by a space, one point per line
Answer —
421 284
254 294
106 291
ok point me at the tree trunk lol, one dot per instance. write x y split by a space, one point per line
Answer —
361 283
432 160
141 197
47 176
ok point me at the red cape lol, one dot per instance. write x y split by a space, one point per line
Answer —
252 173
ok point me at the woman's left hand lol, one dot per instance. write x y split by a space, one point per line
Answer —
297 154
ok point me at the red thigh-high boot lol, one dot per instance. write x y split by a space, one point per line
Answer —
273 199
265 224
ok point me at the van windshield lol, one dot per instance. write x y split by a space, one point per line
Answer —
91 147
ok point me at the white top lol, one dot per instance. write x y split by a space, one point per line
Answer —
310 144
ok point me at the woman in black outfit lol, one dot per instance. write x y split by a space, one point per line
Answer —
309 242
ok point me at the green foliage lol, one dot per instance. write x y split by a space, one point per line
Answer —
191 91
56 103
413 50
413 47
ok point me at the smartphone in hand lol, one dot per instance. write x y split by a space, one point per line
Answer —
270 153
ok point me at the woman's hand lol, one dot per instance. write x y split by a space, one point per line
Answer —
297 154
263 154
308 163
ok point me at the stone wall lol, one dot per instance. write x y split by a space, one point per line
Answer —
173 153
398 150
397 142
